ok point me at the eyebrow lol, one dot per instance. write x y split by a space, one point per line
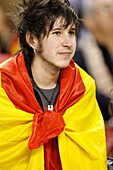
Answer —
60 28
73 29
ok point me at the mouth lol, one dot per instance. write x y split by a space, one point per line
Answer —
65 53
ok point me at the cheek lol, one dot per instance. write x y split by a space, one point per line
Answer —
74 45
52 46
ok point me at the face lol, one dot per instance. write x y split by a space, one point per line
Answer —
104 16
58 48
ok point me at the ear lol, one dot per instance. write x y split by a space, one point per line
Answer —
32 40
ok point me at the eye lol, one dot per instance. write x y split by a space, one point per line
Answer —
56 32
72 32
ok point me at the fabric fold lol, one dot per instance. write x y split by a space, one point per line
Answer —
45 127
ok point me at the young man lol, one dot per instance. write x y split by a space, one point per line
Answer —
49 116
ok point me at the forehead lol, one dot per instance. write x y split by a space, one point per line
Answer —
103 2
61 22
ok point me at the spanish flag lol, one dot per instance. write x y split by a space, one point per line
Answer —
25 129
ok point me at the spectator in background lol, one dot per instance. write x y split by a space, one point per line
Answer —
8 39
95 47
5 35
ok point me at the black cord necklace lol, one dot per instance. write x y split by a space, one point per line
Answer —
50 105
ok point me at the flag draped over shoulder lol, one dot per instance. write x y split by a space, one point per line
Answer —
76 120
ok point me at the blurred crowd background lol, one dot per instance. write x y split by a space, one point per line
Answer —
8 36
94 50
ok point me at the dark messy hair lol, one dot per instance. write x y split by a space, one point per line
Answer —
37 15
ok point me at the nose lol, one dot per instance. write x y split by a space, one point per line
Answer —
66 41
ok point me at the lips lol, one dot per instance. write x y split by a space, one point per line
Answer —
65 53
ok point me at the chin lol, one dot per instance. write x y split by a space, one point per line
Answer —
64 65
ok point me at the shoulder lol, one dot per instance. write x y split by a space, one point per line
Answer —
4 57
10 64
86 78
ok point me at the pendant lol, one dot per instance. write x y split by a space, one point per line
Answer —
50 107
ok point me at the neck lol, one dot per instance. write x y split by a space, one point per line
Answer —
44 75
